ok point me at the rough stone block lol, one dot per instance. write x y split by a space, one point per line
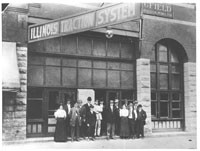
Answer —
21 101
23 70
20 114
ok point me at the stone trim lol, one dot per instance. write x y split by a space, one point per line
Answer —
144 90
190 96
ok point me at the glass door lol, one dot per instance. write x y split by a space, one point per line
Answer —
112 95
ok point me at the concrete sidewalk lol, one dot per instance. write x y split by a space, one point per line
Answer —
176 140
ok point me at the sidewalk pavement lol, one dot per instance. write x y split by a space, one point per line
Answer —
175 140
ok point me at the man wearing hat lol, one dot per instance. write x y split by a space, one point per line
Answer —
111 117
131 120
91 121
141 117
84 115
98 110
117 121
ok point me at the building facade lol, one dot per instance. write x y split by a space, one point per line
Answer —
151 59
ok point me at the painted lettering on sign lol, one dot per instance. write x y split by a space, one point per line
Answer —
77 23
115 14
44 30
107 16
158 9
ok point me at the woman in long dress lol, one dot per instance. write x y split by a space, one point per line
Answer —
124 128
60 132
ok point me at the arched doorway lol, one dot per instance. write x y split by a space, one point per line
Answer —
167 89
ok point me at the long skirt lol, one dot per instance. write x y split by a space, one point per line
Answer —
60 132
124 128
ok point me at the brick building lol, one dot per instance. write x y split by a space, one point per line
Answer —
151 58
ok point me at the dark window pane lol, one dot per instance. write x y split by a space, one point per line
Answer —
52 45
35 60
69 96
153 109
54 102
114 79
127 95
99 78
85 63
84 46
127 79
113 65
163 81
153 68
174 57
127 50
175 96
162 53
164 96
84 77
35 93
175 69
99 47
99 64
69 62
52 76
164 109
35 75
69 76
126 66
113 49
175 81
69 45
52 61
34 109
163 68
36 46
176 114
153 80
175 105
153 55
153 96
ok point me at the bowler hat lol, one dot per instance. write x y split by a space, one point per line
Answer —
89 98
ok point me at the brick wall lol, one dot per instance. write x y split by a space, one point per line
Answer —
14 104
190 96
144 90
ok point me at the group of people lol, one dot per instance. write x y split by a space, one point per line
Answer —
86 120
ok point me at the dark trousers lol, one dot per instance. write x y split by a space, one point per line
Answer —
131 123
117 126
83 129
110 129
91 130
140 128
75 130
68 127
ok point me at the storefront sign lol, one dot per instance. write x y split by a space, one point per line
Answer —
106 16
158 9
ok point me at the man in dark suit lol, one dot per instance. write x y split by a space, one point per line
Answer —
141 117
131 121
117 120
85 112
67 108
111 117
91 121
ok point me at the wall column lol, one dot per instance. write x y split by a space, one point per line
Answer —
144 90
15 103
190 96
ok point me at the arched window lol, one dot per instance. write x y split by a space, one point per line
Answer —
166 81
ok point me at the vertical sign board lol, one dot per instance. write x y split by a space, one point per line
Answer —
83 94
102 17
158 9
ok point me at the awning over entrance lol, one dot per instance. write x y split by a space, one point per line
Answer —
10 72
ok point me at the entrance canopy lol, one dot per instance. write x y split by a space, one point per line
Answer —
10 72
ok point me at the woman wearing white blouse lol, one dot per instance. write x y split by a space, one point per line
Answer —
124 129
60 131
